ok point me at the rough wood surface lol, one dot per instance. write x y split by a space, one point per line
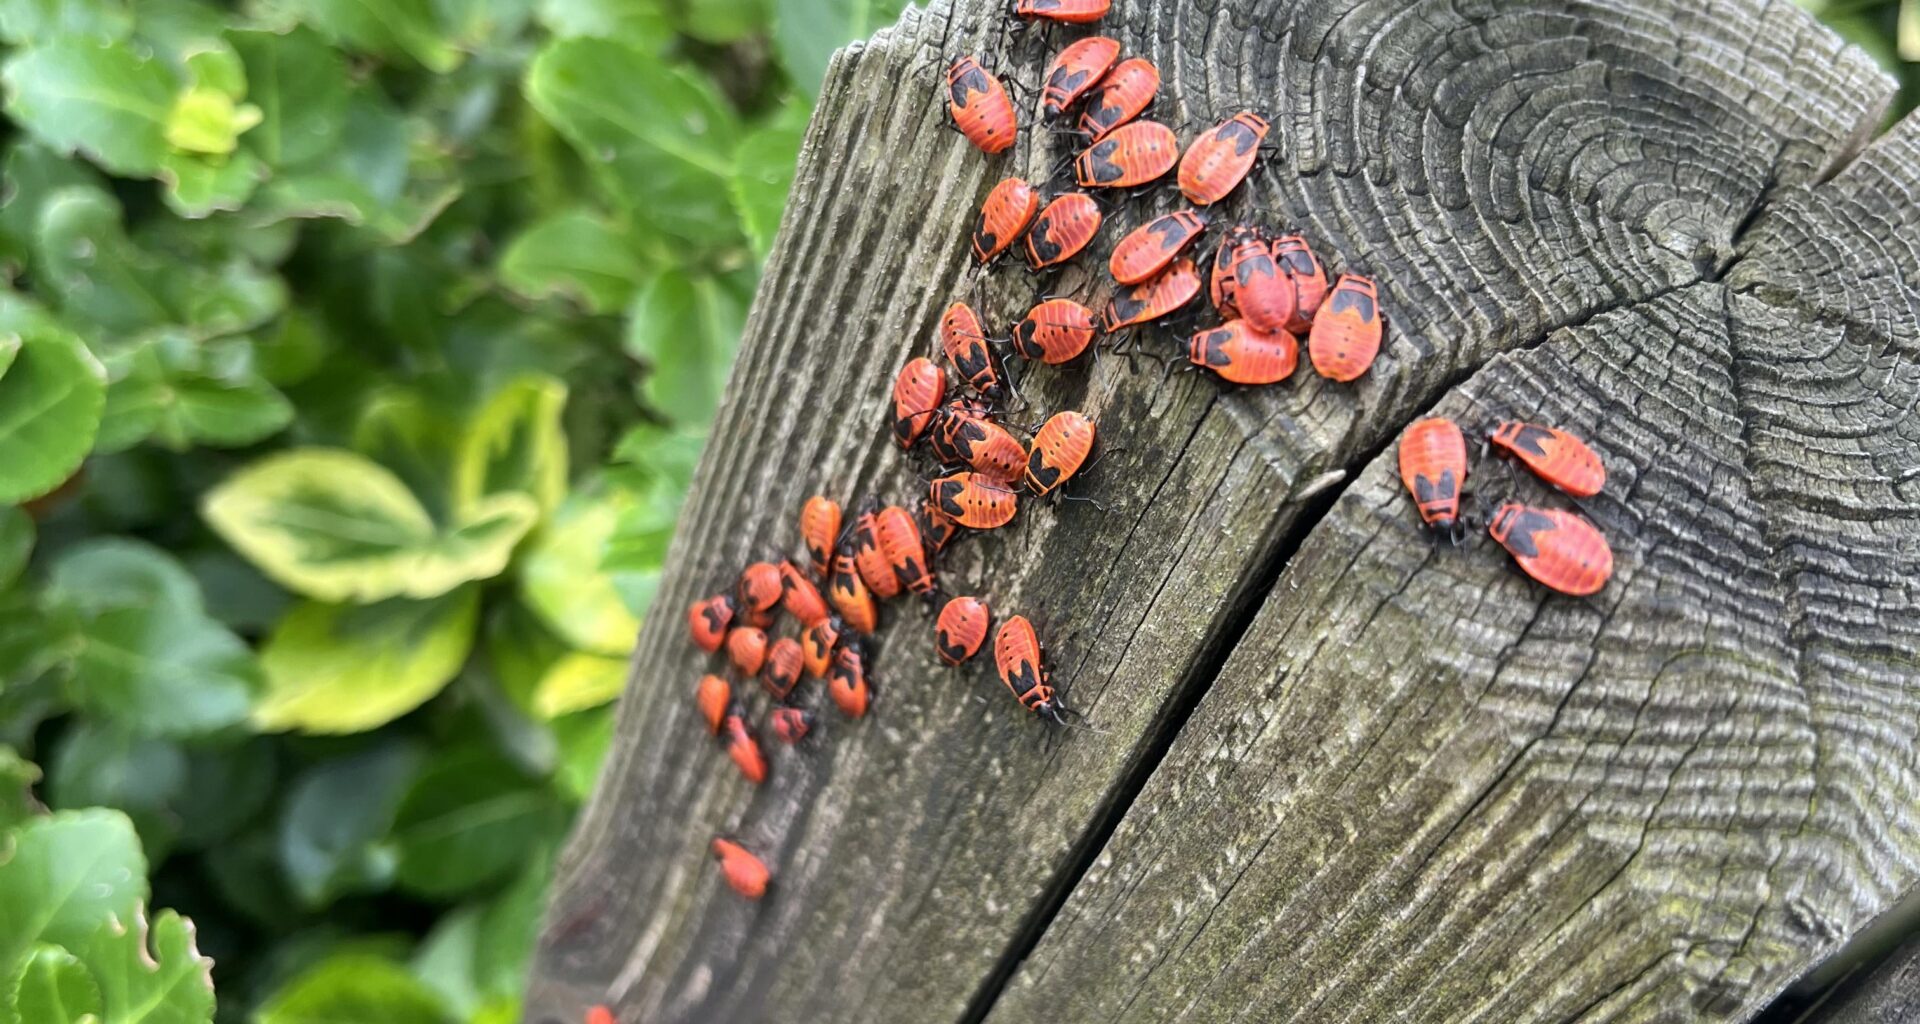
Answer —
1366 779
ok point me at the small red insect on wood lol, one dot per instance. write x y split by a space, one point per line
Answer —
747 648
1059 450
869 559
1074 71
905 550
599 1015
745 873
799 596
965 345
817 645
1150 300
1553 455
961 629
781 673
1555 547
1054 332
938 527
1070 12
1225 263
1298 262
760 587
790 725
820 518
712 697
1020 660
1148 248
1062 230
973 501
1263 292
1220 158
979 106
1242 355
917 392
742 747
1005 213
1127 90
967 437
849 594
707 621
847 682
1346 332
1433 465
1132 154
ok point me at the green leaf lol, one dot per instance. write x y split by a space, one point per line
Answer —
101 99
206 120
722 21
374 177
444 960
227 413
33 172
227 790
236 593
344 668
157 978
16 544
419 437
562 582
53 988
687 329
663 139
171 386
520 649
577 254
507 930
17 776
390 28
355 989
198 186
337 814
639 23
515 443
300 85
584 739
102 278
50 404
577 682
335 526
100 765
806 32
28 21
469 819
148 656
69 874
763 169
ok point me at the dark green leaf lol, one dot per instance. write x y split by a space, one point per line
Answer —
17 776
50 404
419 437
444 960
687 329
584 738
806 32
100 765
227 789
392 28
375 177
335 819
350 668
663 139
355 989
148 655
721 21
16 544
33 173
102 99
639 23
469 819
300 85
507 930
577 254
763 170
198 185
236 593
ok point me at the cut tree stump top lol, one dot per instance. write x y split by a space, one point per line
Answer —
1341 773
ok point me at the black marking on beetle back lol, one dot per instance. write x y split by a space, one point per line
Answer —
1529 437
1347 298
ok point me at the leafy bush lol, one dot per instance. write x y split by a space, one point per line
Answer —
354 360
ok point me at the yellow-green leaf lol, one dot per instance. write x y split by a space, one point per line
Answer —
336 526
515 443
349 668
562 581
577 682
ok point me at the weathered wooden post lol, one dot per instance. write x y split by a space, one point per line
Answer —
1343 775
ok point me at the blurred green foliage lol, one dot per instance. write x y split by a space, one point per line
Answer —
354 362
